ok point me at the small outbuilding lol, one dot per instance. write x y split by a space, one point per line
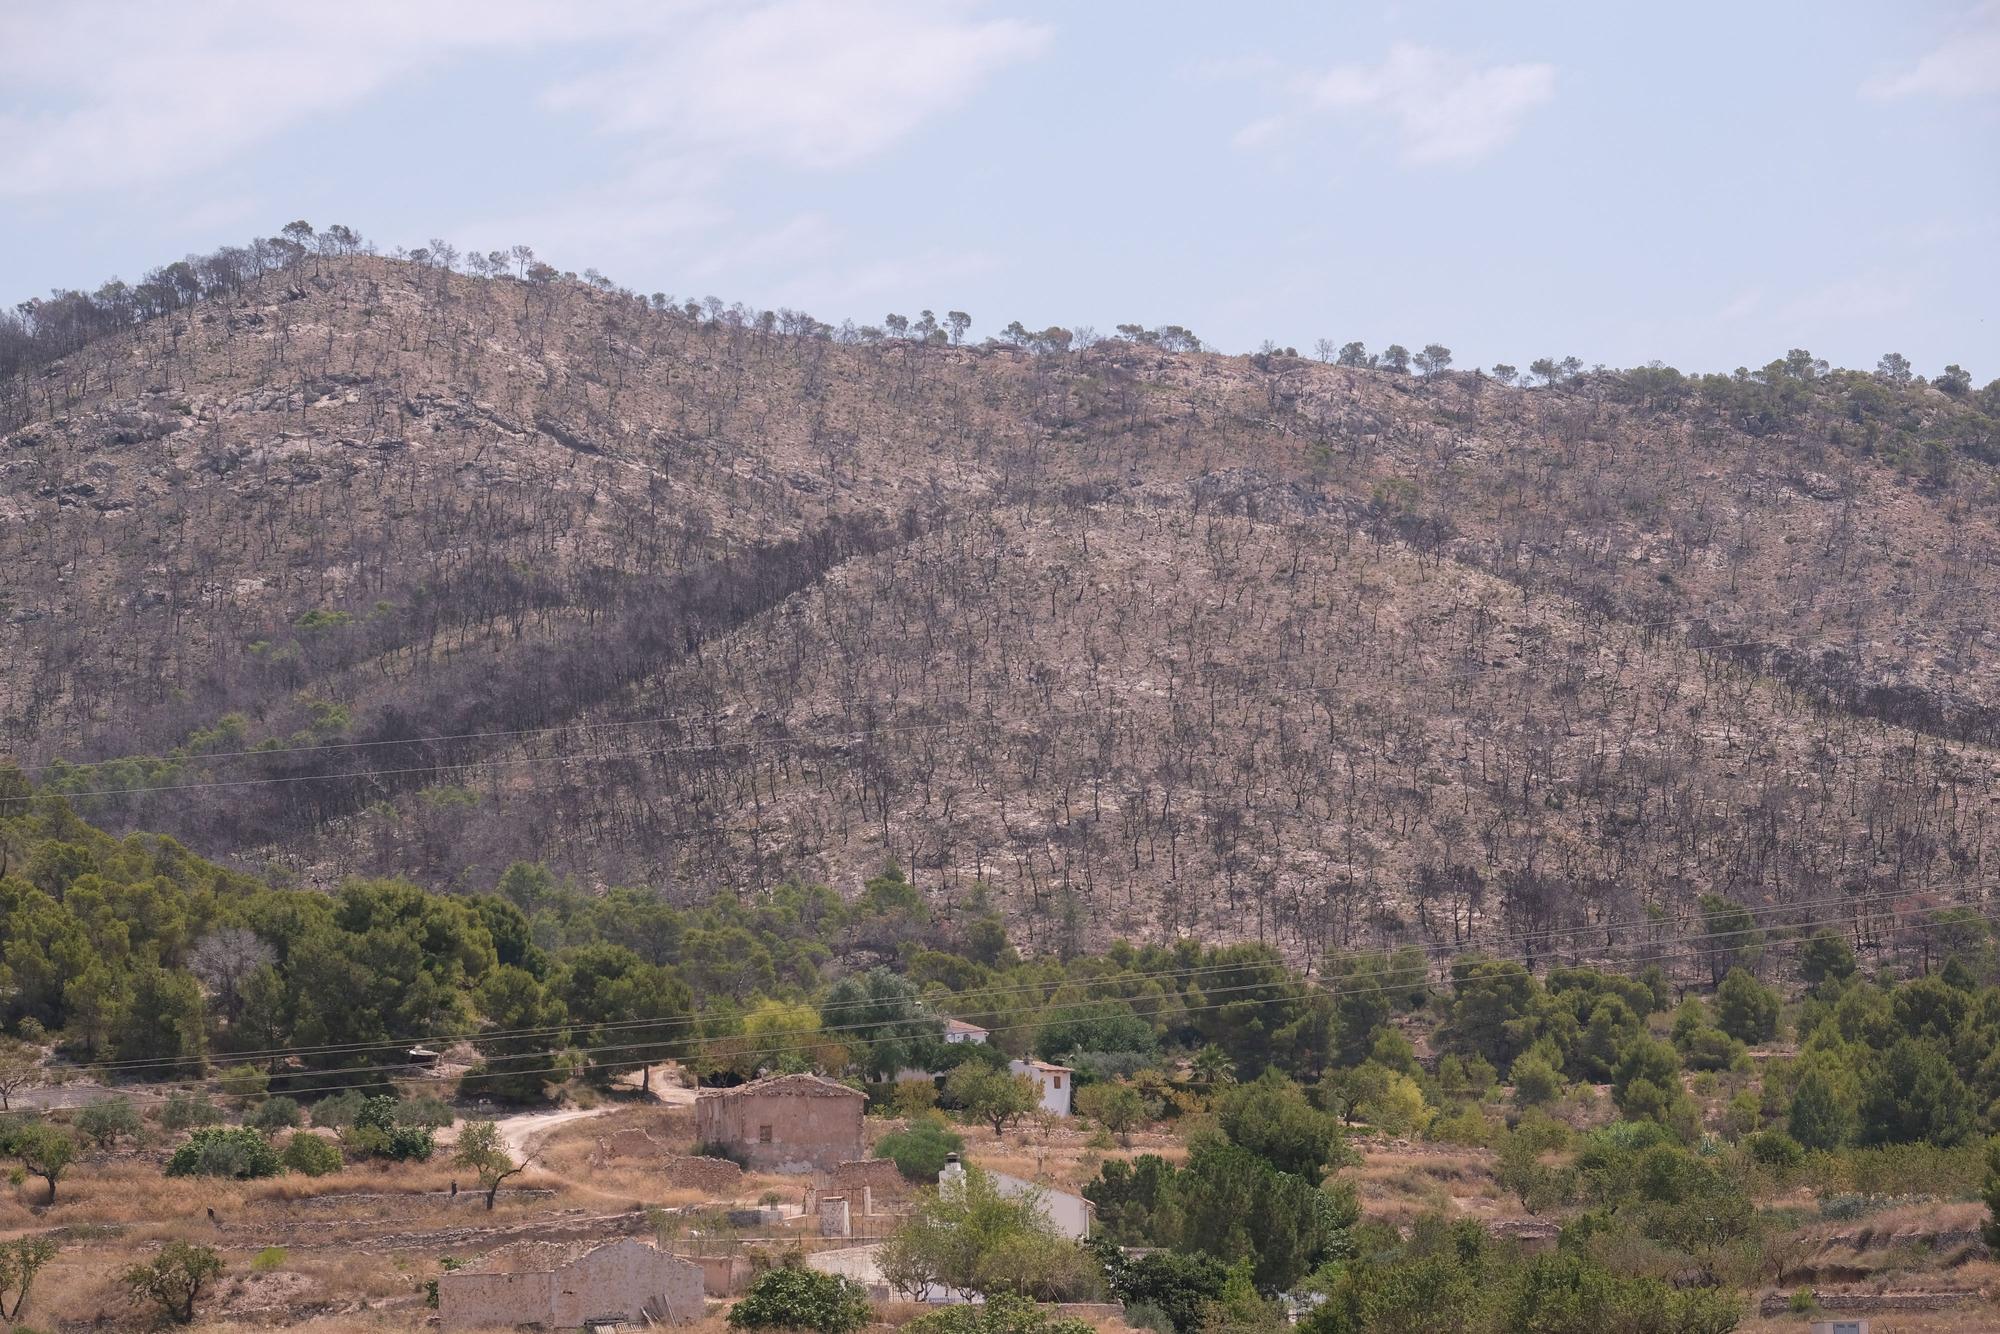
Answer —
1053 1084
788 1123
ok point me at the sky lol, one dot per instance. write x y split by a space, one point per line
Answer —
1706 184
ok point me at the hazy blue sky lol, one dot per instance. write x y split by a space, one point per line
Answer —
1705 183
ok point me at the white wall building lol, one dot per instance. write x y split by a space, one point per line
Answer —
1069 1214
1052 1083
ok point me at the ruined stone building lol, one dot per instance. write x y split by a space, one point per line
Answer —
628 1281
788 1123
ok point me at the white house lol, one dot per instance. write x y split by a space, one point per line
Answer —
955 1031
1052 1083
1068 1214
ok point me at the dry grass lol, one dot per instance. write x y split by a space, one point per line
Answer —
1398 1184
1980 1317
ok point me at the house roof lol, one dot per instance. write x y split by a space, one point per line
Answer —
960 1026
788 1086
1044 1065
1010 1185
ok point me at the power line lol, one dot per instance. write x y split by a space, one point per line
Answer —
1667 951
1431 951
974 998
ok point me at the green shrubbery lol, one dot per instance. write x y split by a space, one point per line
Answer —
796 1298
998 1315
310 1155
103 1121
225 1151
919 1151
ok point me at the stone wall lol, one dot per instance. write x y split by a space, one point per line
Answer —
724 1275
712 1176
878 1174
624 1280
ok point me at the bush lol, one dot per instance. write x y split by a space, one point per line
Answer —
797 1298
245 1082
412 1144
339 1110
377 1128
1774 1148
1745 1008
919 1152
185 1111
173 1280
268 1259
311 1155
1139 1315
997 1315
103 1120
279 1113
425 1113
225 1151
1535 1081
1467 1125
1175 1287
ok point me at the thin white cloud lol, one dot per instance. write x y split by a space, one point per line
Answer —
1965 65
110 95
809 85
1444 107
1259 132
812 83
1860 297
1741 307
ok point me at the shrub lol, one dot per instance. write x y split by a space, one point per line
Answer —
1745 1008
425 1113
338 1111
1535 1081
376 1128
796 1298
919 1152
245 1082
1774 1148
225 1151
185 1111
411 1144
997 1315
311 1155
103 1120
174 1278
268 1259
1467 1125
1175 1287
273 1114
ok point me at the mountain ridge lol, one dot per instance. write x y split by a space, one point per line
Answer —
1329 650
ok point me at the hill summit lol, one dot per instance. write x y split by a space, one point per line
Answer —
350 565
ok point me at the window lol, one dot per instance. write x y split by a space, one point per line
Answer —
1057 1079
763 1134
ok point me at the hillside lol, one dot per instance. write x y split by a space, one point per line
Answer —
1146 640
